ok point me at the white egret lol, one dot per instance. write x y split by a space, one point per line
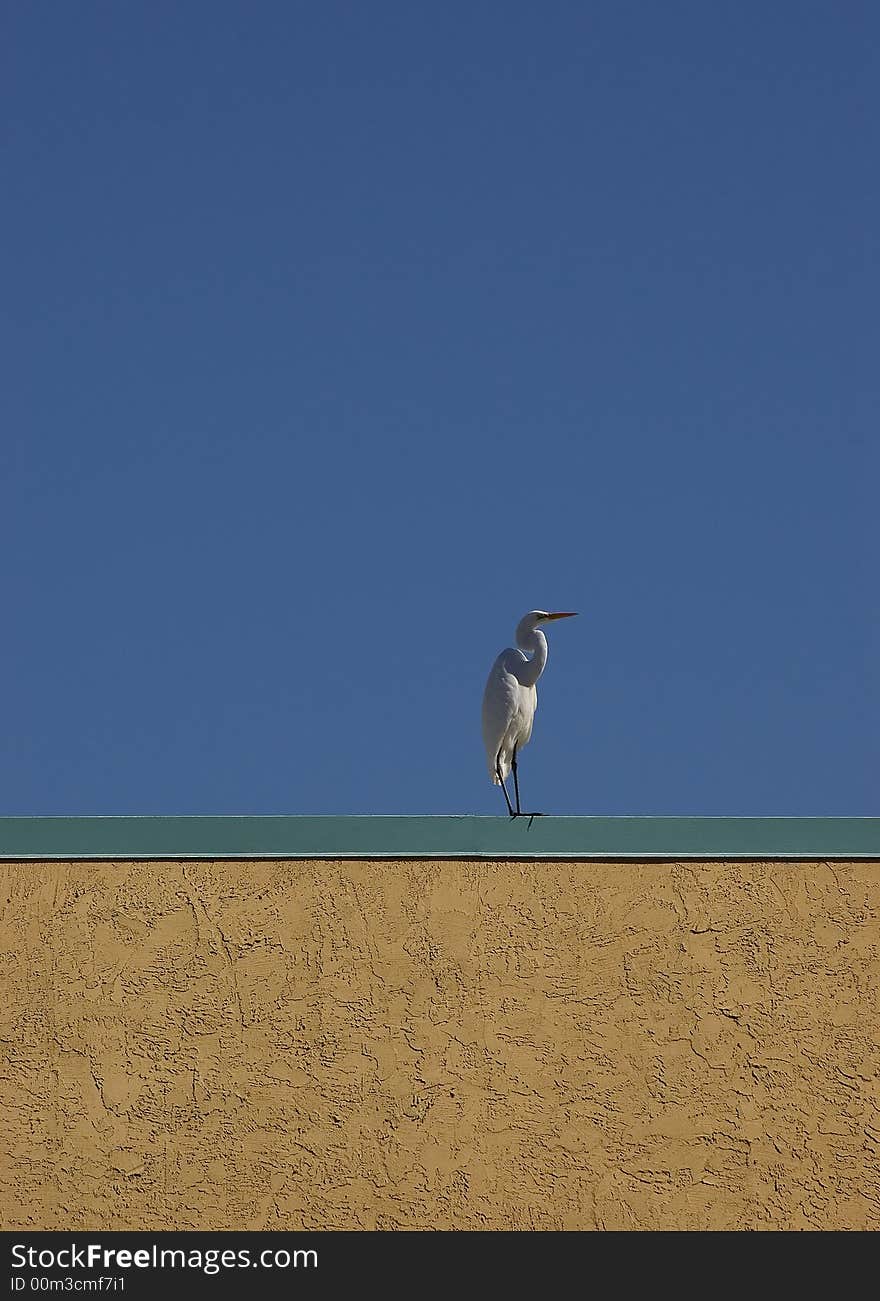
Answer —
511 698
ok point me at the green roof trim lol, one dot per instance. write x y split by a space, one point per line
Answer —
437 837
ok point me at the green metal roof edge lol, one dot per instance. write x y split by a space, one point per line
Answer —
437 837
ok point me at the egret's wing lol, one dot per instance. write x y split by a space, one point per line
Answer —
501 707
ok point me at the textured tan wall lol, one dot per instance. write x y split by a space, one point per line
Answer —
456 1045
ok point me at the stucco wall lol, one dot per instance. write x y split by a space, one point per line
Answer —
458 1045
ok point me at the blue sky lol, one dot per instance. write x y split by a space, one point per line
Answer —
337 336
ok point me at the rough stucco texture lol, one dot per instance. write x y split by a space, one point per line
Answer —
440 1045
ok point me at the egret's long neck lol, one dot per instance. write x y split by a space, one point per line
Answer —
533 643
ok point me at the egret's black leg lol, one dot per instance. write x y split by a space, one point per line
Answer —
519 812
503 787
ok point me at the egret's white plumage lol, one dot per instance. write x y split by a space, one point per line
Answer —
511 697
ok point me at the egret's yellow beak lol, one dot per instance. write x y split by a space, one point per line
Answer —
564 614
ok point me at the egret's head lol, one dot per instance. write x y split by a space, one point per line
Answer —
535 618
541 616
